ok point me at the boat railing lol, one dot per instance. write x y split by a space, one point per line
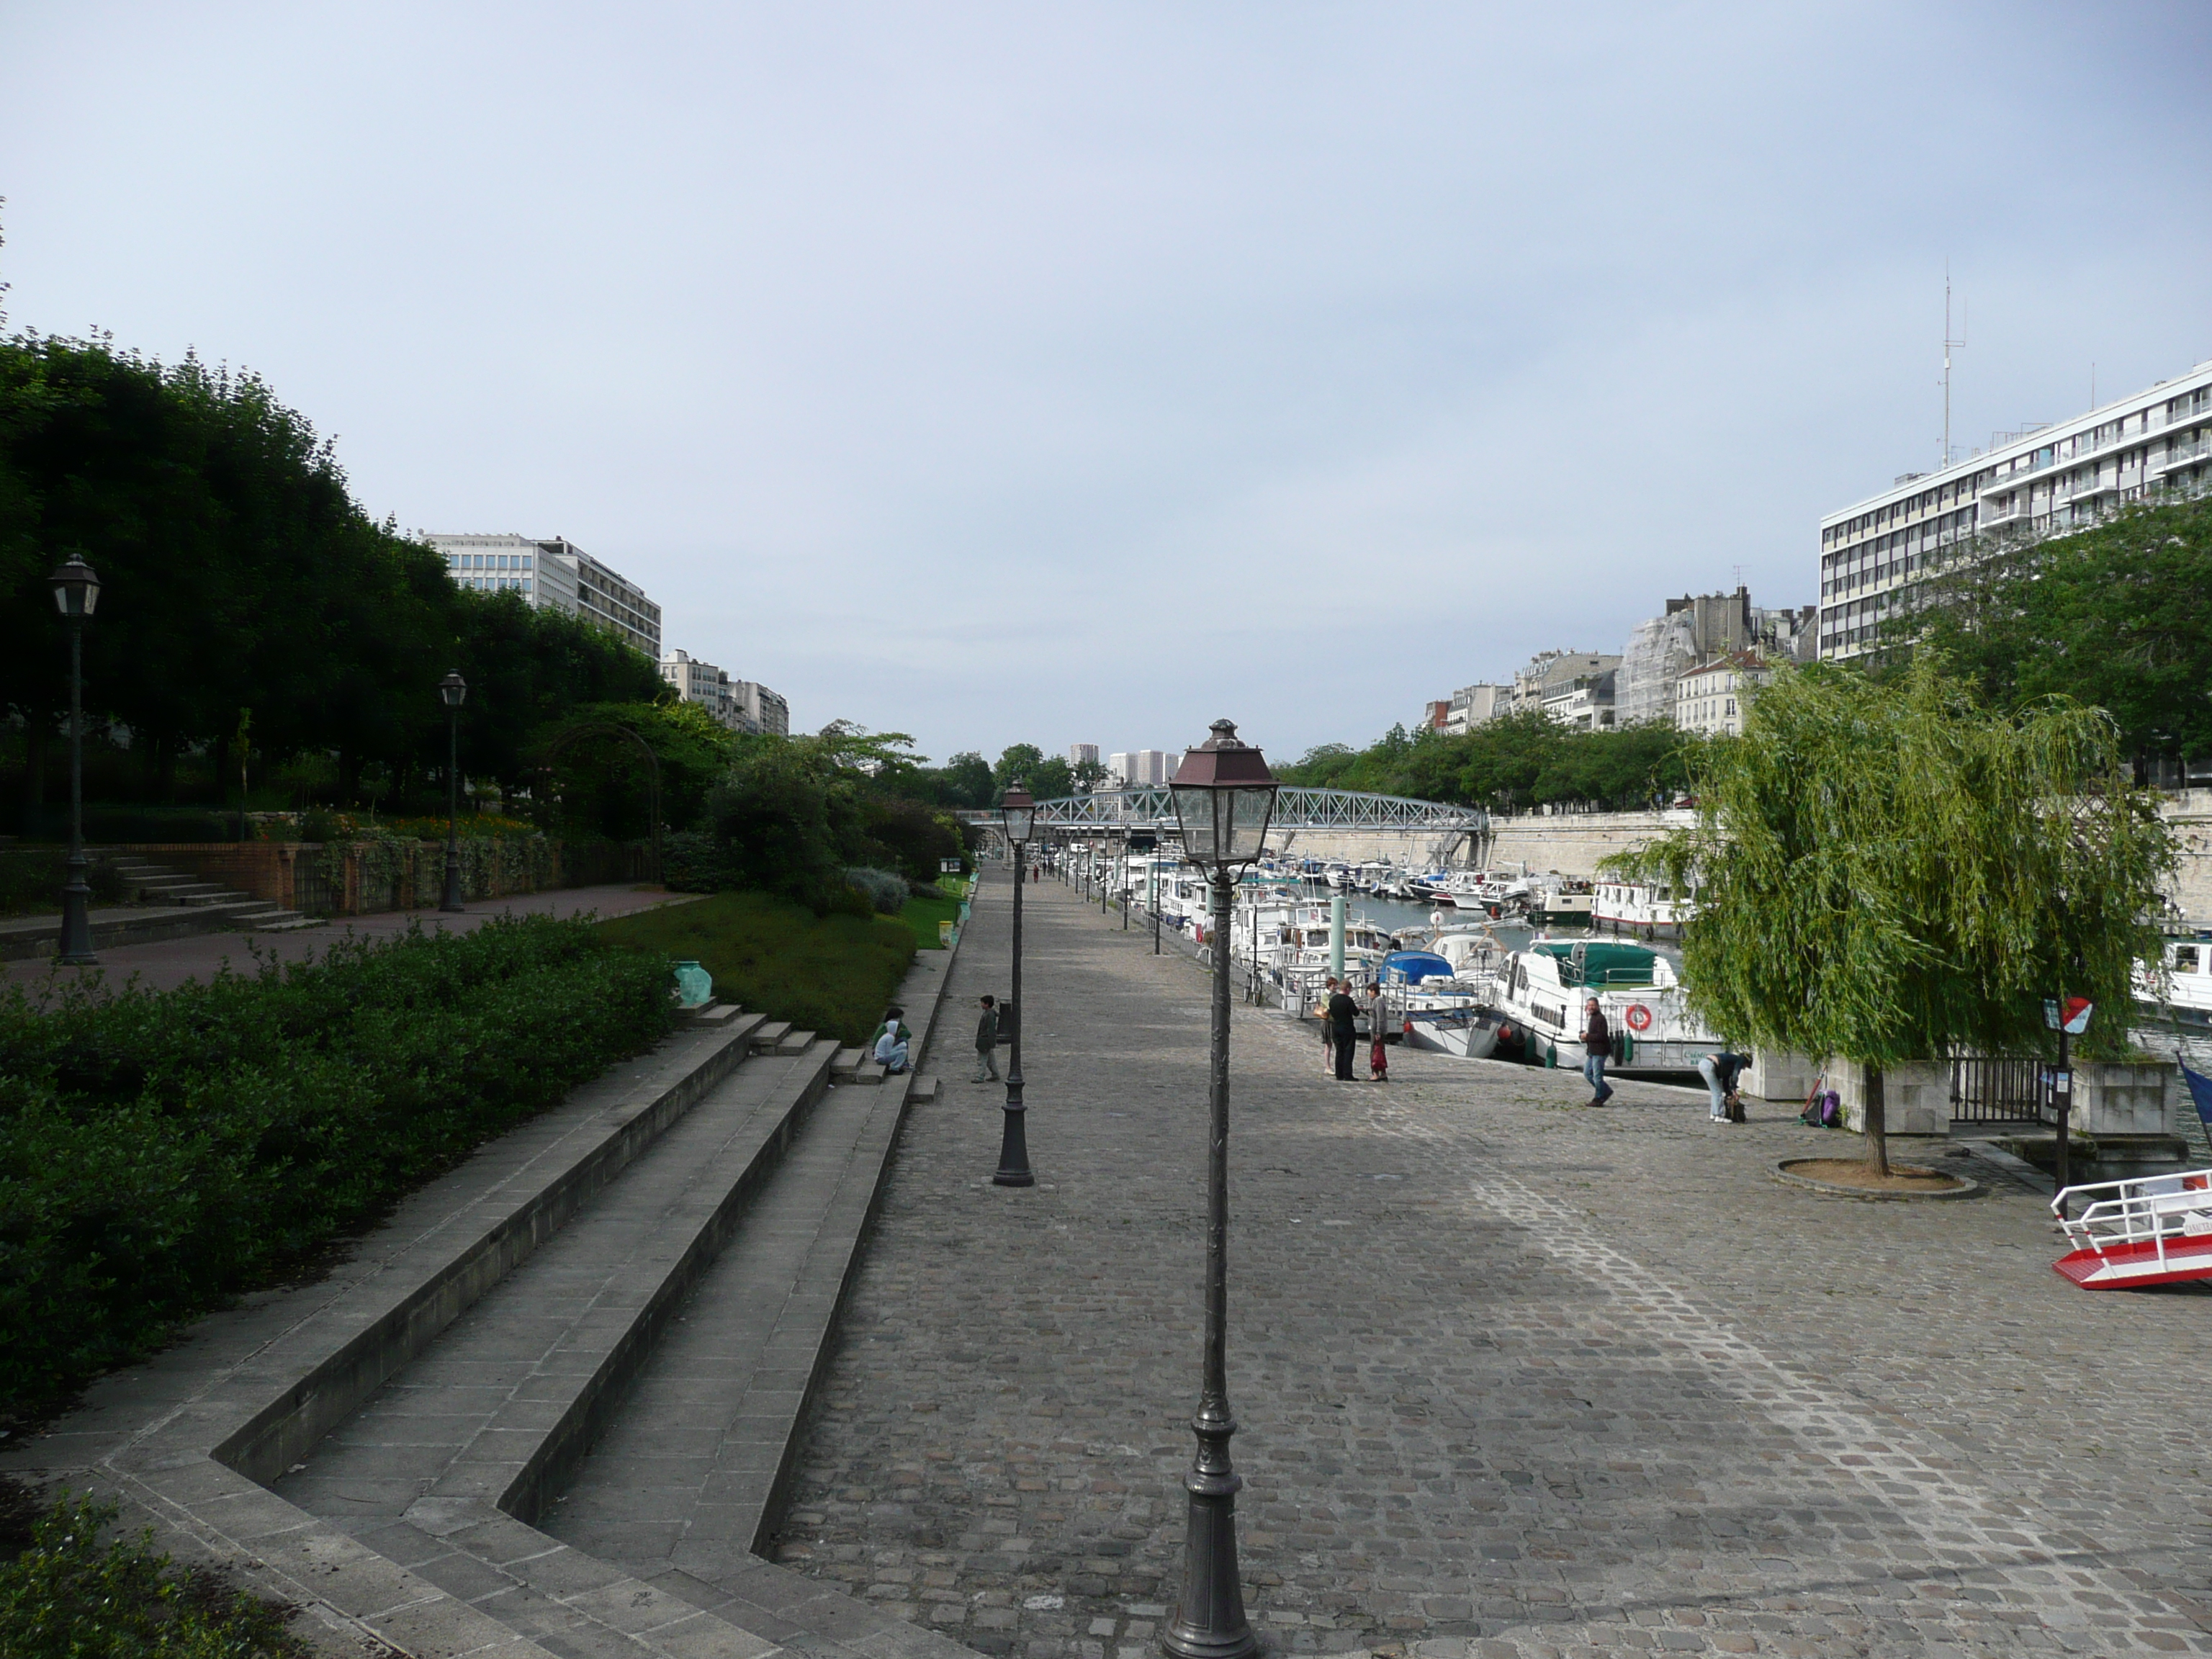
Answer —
2138 1211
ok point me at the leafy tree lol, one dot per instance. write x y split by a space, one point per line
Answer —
592 782
1020 760
2120 617
1894 873
1519 759
238 572
1088 776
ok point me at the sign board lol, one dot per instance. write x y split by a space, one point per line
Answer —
948 866
2076 1018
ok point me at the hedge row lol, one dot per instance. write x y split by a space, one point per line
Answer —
160 1153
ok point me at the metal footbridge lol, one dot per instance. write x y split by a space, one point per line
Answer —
1111 812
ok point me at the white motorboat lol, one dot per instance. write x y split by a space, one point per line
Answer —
2181 991
1562 902
1641 909
1541 991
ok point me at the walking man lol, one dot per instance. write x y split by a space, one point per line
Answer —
987 1042
1343 1030
1597 1046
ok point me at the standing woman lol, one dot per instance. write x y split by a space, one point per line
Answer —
1328 1038
1378 1056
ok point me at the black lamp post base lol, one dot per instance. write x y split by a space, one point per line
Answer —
1014 1152
1211 1622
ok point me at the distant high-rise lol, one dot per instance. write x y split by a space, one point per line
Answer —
1080 753
1138 767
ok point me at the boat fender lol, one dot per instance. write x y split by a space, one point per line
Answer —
1551 1054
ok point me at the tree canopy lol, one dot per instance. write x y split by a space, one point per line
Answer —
238 573
1518 759
1892 872
2119 616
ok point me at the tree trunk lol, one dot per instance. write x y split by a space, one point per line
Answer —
1876 1123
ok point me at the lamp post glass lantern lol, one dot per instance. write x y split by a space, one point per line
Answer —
1224 798
1018 814
76 595
454 690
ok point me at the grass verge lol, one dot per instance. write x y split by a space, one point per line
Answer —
830 974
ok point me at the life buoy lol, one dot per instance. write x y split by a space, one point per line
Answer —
1638 1017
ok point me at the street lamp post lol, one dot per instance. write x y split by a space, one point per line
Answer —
1224 798
455 690
1019 814
77 593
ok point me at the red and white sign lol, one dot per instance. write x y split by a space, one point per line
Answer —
2076 1020
1638 1017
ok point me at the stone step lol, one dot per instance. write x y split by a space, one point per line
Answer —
494 1408
769 1035
688 1480
795 1042
848 1062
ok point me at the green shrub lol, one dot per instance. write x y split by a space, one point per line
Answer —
886 889
69 1596
31 881
831 973
160 1151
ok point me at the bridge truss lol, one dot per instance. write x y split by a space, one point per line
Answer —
1109 811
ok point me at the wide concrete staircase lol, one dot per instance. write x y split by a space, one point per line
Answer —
153 883
590 1453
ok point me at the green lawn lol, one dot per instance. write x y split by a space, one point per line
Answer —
833 974
922 915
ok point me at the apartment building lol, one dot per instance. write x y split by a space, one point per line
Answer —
1877 556
1710 698
1079 753
1696 628
558 575
703 684
1468 708
759 709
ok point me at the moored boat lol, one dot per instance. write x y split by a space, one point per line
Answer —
1541 991
1640 909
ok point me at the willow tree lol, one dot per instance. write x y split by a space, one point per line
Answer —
1891 874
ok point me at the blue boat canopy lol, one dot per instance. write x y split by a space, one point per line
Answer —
1410 967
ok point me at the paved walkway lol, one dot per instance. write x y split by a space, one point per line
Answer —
1516 1378
169 963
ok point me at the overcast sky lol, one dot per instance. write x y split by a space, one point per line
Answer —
1060 372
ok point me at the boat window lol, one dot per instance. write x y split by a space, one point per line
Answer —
2184 959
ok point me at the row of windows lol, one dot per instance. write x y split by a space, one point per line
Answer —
488 562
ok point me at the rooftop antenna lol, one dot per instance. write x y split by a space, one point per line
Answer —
1948 344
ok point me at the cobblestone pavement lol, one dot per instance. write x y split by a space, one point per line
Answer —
1515 1377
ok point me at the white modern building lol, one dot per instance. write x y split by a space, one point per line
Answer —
558 575
1710 698
759 709
1136 767
703 683
1078 753
1877 556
